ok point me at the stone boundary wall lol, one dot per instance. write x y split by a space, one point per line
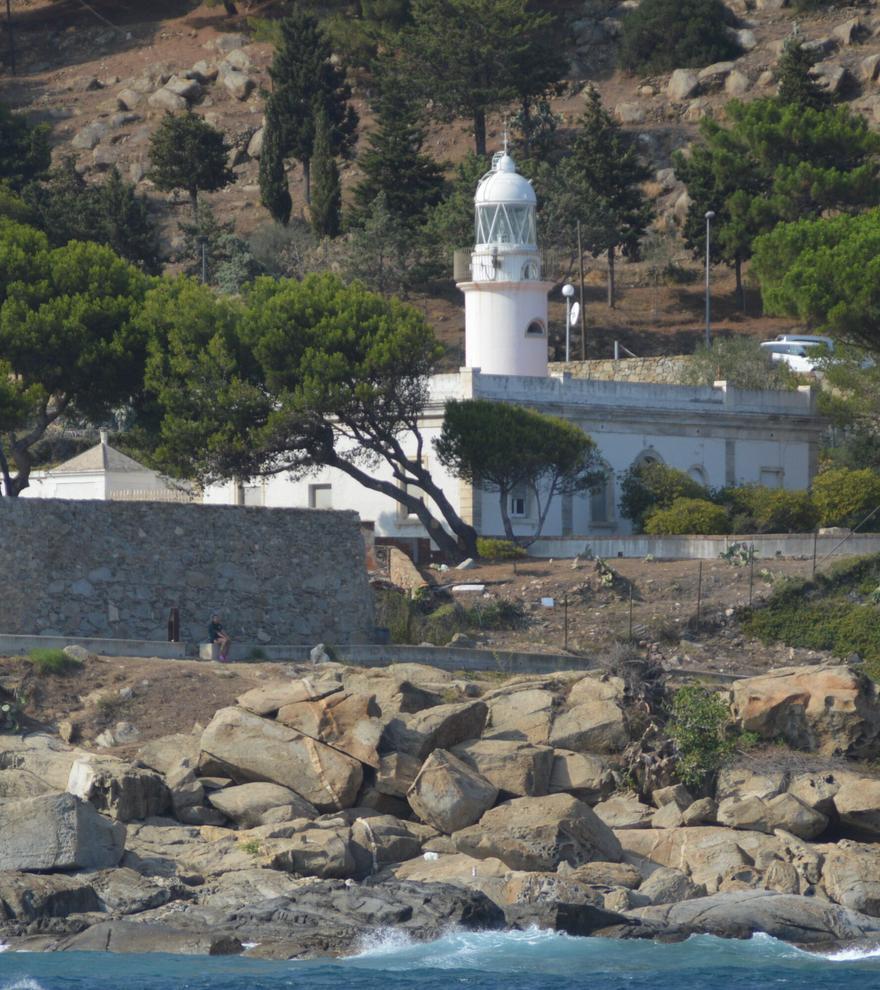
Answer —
115 569
665 370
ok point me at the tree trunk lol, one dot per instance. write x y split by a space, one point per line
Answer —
194 203
307 180
611 277
505 515
7 479
740 294
526 112
230 8
480 132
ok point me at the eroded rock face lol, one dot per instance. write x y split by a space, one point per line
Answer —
269 698
539 834
253 748
516 769
57 832
594 721
30 897
440 727
118 789
524 715
784 811
858 803
831 709
584 775
851 874
449 794
345 721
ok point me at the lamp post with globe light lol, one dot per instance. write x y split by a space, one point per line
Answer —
710 216
568 292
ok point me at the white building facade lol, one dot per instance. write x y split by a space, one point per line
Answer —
719 435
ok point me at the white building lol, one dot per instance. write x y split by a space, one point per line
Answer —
719 435
102 472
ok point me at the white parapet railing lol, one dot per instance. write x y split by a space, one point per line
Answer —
154 495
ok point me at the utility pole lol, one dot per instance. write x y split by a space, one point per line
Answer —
11 36
583 308
710 216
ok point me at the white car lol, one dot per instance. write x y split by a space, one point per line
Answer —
802 353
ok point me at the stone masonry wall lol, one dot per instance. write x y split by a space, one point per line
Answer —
667 370
115 569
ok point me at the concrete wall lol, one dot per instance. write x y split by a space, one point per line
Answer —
114 569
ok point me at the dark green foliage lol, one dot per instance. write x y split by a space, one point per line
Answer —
274 193
775 162
662 35
599 184
24 150
845 497
471 57
68 208
450 224
411 620
46 662
393 163
326 192
499 447
687 516
493 549
796 86
741 362
835 612
758 509
228 261
653 485
67 336
305 83
698 727
384 251
187 153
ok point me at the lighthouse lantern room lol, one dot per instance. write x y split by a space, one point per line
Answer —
505 299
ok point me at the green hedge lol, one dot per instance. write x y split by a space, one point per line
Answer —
843 497
687 515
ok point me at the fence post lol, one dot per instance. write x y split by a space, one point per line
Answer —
630 636
700 591
565 622
751 573
815 549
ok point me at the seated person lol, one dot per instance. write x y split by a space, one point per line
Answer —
217 634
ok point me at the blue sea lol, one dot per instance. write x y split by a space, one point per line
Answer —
468 961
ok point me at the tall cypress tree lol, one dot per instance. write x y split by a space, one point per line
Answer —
274 194
599 183
796 86
394 163
304 79
327 195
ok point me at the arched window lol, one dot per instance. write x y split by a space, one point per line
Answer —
648 456
535 329
602 499
530 271
698 473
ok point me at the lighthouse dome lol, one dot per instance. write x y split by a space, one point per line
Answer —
503 184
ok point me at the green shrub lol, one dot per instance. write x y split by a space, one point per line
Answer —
490 549
496 613
655 486
687 516
442 624
662 35
698 727
758 509
844 497
45 662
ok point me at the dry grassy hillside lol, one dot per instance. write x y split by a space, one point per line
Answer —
91 71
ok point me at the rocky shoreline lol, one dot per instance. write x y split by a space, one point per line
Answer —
338 802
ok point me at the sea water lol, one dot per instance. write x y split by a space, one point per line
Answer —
529 960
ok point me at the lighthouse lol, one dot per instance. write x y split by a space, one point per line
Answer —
505 298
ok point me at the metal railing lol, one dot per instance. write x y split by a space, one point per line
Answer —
554 265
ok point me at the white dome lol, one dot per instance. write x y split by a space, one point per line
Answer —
503 184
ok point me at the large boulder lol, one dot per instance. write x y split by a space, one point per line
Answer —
741 783
539 834
740 914
851 875
683 84
668 885
32 897
584 775
858 803
401 688
815 790
46 757
118 789
441 727
594 721
525 715
449 794
261 803
345 721
516 769
316 851
253 748
269 698
57 832
396 774
784 811
166 752
21 784
624 811
379 841
829 708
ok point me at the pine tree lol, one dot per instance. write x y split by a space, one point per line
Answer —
304 79
327 194
600 183
187 153
274 193
796 86
24 150
394 164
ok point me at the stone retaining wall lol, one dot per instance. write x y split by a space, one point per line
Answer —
115 569
665 370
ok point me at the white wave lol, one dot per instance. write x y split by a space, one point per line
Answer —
3 947
853 954
25 983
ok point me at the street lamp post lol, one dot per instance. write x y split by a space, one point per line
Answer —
568 292
710 216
